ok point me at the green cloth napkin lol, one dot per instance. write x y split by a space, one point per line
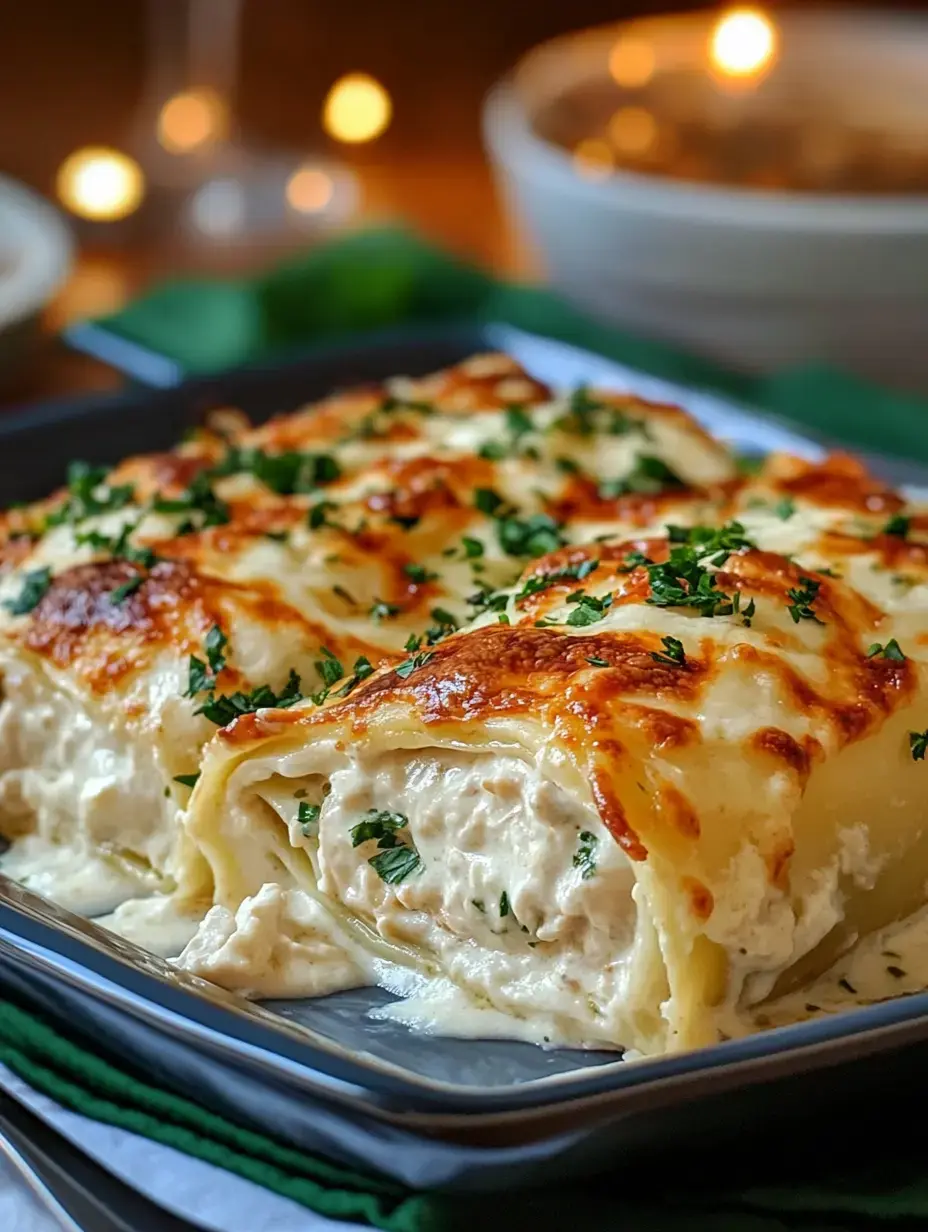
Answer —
894 1192
386 277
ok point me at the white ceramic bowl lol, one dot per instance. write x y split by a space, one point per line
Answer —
756 279
35 258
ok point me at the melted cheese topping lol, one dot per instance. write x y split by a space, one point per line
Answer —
616 814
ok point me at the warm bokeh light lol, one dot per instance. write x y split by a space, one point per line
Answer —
593 158
192 119
100 184
633 130
743 43
631 62
309 190
356 109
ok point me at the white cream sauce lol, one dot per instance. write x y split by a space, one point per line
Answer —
890 963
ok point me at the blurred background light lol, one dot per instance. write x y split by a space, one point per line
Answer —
309 190
100 184
192 119
743 43
633 130
218 208
356 109
631 62
593 158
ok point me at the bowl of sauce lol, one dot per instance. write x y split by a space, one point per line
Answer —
751 187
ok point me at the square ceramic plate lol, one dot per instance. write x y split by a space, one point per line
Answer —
322 1073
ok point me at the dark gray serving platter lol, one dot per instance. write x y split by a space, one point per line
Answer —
429 1111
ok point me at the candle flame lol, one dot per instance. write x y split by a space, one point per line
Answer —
743 43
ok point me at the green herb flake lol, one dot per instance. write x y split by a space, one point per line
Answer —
785 508
187 780
589 610
585 855
504 908
803 597
35 585
892 650
222 709
898 526
918 744
122 593
533 536
747 615
395 864
380 610
419 573
596 661
307 817
674 654
648 477
406 669
542 581
473 548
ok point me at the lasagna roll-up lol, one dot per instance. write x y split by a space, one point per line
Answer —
671 776
251 567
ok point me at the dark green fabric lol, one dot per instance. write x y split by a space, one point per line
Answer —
894 1192
387 277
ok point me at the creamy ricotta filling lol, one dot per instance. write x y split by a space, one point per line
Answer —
502 901
85 805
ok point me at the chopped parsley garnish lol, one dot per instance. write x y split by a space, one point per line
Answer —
847 986
380 610
200 678
586 415
683 582
122 593
445 624
518 424
488 501
748 614
379 824
674 655
533 536
319 514
360 671
394 860
395 864
222 709
200 499
89 495
329 667
504 908
585 856
918 743
588 608
345 595
187 780
648 477
391 403
596 661
785 508
803 596
307 816
892 650
633 560
898 525
419 573
418 660
717 542
118 546
277 536
34 588
542 581
488 600
473 548
288 474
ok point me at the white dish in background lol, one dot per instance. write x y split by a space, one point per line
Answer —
36 252
752 278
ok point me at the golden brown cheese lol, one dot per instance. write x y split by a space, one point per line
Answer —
330 536
732 718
